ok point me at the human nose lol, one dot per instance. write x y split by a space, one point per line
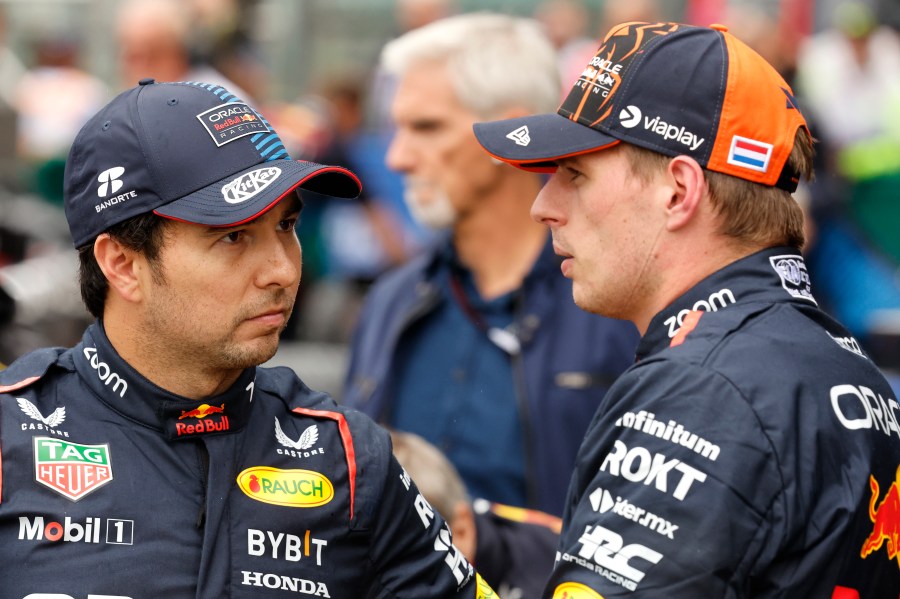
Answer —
281 266
399 155
547 206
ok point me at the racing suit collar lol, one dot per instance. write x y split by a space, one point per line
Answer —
769 276
126 391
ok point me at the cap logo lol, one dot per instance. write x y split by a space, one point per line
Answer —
630 116
749 153
228 122
249 184
109 181
521 136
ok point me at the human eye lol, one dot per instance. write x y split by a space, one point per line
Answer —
572 173
233 237
286 225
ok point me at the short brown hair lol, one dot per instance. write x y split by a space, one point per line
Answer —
144 234
752 214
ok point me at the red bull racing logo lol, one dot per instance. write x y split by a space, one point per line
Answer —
886 518
213 425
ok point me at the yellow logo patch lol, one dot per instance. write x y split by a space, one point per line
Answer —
483 590
290 488
575 590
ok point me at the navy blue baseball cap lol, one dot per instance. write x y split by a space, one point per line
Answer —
191 152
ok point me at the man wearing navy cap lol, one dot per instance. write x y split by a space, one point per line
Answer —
753 449
155 458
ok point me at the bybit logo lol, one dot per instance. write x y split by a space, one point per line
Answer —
109 181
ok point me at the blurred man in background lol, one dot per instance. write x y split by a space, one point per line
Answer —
474 345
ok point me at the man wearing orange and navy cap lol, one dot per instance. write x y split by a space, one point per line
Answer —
753 448
156 458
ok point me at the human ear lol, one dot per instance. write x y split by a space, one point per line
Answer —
687 188
118 264
462 527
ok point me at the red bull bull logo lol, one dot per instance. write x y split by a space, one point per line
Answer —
886 520
202 411
213 425
248 118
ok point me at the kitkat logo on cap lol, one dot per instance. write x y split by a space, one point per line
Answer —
249 184
233 120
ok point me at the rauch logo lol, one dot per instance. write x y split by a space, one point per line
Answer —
290 488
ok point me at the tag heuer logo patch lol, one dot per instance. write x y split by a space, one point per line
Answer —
71 469
231 121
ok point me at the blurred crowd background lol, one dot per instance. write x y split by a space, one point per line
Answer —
311 67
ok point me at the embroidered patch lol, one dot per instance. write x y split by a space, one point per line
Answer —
231 121
71 469
794 277
750 153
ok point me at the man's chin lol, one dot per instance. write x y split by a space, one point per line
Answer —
252 353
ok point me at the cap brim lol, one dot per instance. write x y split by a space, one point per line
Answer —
535 143
243 196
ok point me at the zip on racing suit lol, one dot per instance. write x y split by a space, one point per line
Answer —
752 451
113 487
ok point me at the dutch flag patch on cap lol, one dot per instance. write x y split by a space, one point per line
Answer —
750 153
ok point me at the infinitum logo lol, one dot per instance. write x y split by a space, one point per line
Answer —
109 181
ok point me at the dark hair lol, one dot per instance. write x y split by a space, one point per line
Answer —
144 234
753 214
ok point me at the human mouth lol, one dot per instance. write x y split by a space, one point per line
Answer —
568 262
276 317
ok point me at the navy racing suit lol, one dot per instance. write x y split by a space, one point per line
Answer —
752 451
114 487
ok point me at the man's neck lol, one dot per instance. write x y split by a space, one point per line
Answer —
176 374
499 242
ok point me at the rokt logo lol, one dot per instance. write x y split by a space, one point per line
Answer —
638 465
109 181
630 116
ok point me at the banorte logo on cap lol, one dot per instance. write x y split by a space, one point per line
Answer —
110 181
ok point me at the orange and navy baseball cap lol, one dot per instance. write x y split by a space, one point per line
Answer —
671 88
